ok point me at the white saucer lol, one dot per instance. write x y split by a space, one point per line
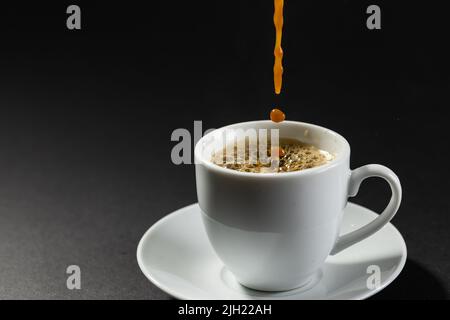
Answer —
176 256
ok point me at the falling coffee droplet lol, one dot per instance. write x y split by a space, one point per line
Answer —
276 115
279 150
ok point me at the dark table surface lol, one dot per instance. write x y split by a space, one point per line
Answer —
86 120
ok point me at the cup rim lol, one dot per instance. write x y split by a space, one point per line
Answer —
340 158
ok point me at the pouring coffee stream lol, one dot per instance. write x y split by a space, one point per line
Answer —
278 51
276 115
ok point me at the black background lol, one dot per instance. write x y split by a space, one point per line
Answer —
86 119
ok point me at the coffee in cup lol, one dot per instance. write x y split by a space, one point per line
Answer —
291 154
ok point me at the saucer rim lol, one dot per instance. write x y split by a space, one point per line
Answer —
173 214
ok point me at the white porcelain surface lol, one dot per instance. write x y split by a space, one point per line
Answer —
274 231
175 254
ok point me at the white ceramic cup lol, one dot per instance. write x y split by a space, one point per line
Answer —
273 231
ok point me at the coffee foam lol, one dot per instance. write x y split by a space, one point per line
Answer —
295 156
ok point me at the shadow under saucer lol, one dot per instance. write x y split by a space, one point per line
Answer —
414 282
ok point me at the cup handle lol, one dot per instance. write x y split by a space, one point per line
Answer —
357 176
